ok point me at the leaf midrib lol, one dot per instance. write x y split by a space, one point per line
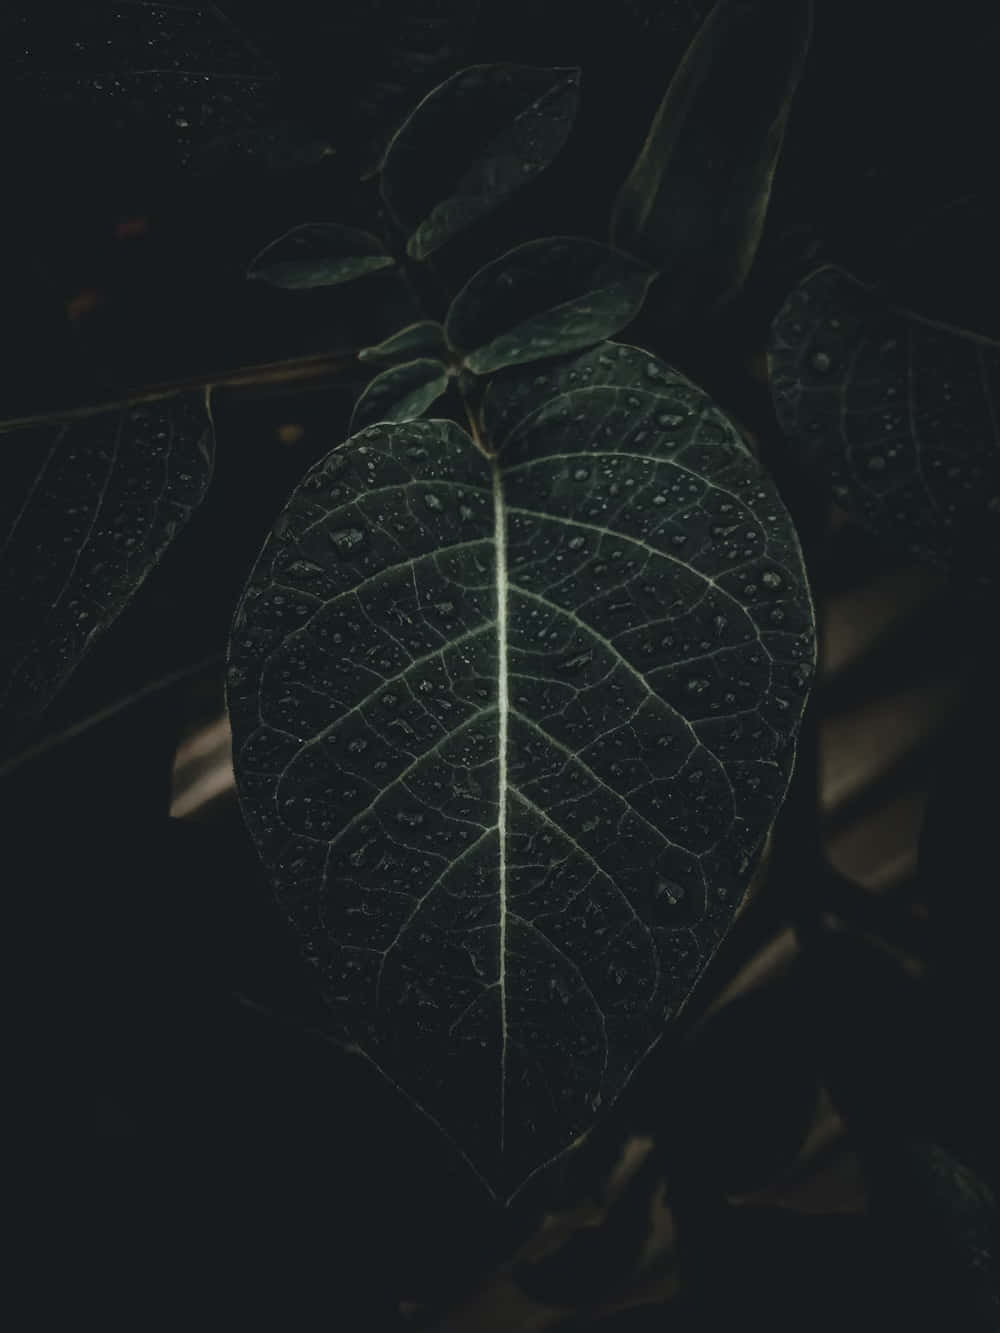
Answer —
503 720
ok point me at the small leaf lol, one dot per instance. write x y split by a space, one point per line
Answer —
401 393
514 396
425 338
508 734
89 507
544 298
319 254
471 143
900 412
695 201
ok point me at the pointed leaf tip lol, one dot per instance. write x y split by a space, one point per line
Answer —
319 254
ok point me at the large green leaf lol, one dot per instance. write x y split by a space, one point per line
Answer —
543 298
319 254
88 509
508 733
471 143
695 201
401 393
901 413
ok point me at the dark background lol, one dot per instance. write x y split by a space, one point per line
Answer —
212 1156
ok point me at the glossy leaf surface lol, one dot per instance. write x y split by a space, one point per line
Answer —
401 393
425 338
509 734
543 298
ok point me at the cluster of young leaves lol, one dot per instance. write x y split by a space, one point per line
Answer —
504 124
514 701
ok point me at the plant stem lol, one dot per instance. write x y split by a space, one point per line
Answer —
272 372
105 714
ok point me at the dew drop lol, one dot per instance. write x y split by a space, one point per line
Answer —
666 888
575 663
346 539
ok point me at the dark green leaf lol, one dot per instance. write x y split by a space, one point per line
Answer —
508 736
544 298
89 507
514 396
900 412
179 81
695 201
401 393
471 143
319 254
425 338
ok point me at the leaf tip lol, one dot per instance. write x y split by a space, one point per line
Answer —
416 246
